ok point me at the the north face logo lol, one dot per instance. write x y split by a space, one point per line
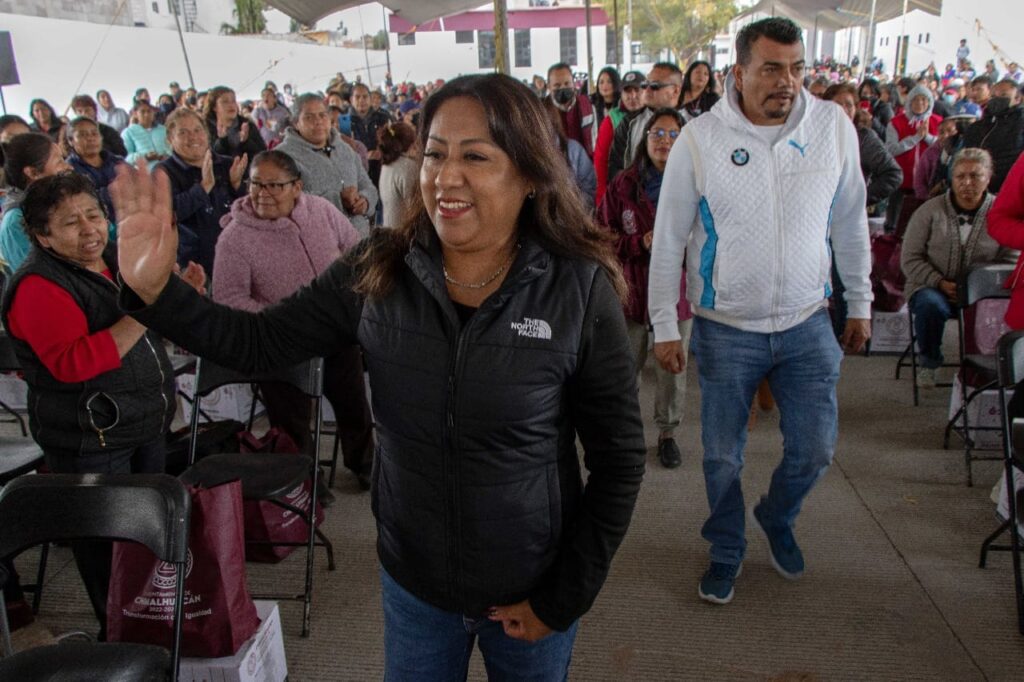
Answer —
533 329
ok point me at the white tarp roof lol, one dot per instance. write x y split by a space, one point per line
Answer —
414 11
837 14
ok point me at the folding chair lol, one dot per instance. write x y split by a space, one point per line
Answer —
19 456
1011 373
151 509
978 371
9 363
266 476
909 359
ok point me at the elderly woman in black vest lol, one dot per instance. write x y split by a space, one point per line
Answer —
492 326
101 389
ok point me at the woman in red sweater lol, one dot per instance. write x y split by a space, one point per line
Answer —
1006 226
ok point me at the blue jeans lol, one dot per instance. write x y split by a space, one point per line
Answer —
427 644
931 310
802 368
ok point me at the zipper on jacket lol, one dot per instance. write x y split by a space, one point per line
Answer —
779 250
451 466
163 378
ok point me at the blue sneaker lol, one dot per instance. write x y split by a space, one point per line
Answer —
785 554
716 586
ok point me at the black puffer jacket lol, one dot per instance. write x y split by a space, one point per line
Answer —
136 400
1002 136
476 486
882 174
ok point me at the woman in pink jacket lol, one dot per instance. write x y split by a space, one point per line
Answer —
275 241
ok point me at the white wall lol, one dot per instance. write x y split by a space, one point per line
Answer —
135 57
437 55
1001 23
931 47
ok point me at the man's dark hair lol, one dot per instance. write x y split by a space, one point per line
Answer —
558 67
669 66
982 80
45 194
907 83
777 29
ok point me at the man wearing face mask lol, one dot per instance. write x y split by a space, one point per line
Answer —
1000 131
574 107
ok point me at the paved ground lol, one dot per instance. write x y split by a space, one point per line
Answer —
892 590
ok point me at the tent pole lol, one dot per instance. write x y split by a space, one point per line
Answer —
501 54
615 9
387 40
869 43
181 38
590 53
904 40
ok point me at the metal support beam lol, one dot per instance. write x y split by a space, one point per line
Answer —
501 61
590 54
177 22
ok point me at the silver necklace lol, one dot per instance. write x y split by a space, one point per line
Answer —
480 285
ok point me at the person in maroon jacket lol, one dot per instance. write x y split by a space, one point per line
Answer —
577 112
628 209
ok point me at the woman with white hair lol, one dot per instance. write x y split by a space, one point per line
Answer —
947 237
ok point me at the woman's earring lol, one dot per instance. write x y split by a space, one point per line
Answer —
532 194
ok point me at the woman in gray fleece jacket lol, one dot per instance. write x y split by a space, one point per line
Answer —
946 237
330 169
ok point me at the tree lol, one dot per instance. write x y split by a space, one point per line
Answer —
684 27
249 14
380 41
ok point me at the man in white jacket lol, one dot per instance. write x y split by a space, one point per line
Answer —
761 191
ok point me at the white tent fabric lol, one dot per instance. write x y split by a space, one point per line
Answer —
414 11
833 15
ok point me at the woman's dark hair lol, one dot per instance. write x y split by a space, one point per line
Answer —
394 139
876 90
210 104
555 216
616 79
44 196
709 87
836 89
8 120
31 109
278 158
70 128
642 157
776 29
31 150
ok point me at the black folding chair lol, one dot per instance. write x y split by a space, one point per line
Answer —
9 363
978 371
1011 373
151 509
909 359
19 456
267 476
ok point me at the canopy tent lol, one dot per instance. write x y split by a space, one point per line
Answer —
309 12
833 15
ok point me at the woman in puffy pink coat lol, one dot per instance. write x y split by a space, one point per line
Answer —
274 241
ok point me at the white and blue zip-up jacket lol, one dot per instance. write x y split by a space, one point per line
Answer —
757 221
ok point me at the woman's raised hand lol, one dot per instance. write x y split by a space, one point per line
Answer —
147 242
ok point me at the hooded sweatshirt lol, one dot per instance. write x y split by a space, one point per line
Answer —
754 219
901 138
259 262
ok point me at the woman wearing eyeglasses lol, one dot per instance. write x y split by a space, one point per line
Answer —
274 241
628 209
945 238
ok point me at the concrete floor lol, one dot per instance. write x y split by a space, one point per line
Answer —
892 589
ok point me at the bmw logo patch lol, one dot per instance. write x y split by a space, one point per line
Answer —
740 156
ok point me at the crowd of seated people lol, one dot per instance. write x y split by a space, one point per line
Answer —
267 193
